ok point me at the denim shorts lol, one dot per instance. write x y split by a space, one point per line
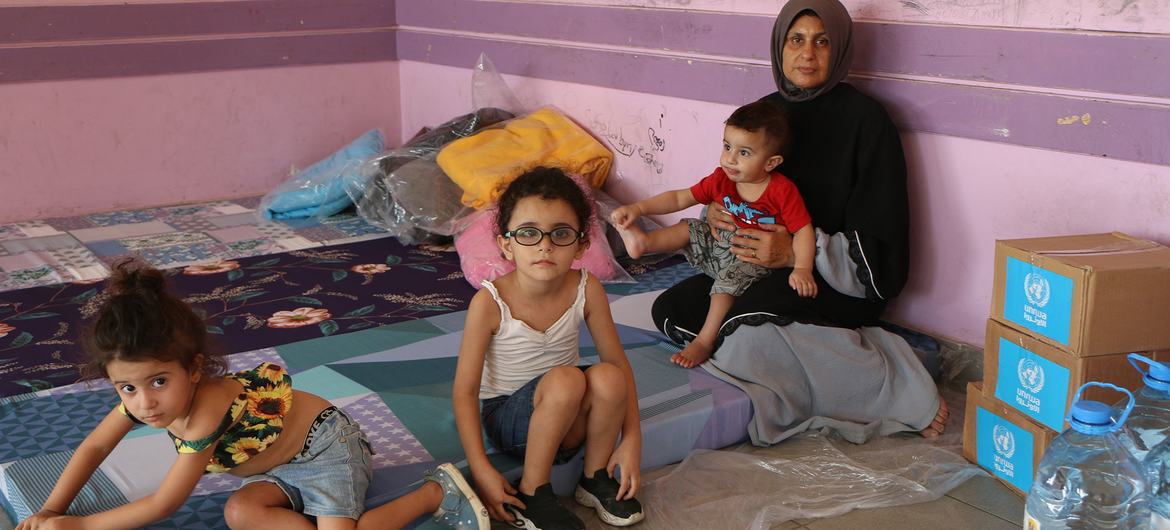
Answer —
329 477
506 418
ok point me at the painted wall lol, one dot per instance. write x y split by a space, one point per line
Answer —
106 105
1019 117
1009 132
74 147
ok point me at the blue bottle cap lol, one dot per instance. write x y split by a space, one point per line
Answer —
1091 413
1094 417
1158 377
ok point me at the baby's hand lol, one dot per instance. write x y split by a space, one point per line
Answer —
802 282
622 216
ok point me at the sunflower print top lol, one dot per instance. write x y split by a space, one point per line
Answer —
252 423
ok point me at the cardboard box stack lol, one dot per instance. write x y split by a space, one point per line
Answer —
1065 311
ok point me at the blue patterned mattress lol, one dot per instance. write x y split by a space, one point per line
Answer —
396 381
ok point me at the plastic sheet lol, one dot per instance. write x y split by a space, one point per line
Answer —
812 475
488 89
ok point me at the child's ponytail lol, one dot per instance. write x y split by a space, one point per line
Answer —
140 320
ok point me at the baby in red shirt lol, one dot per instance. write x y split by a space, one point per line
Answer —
747 186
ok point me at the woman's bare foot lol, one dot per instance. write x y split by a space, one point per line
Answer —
940 420
695 353
635 240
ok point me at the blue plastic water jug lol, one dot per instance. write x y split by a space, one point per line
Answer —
1149 423
1158 475
1086 479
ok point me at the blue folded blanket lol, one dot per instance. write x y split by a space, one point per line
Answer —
319 190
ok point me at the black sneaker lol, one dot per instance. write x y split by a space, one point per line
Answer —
600 493
544 512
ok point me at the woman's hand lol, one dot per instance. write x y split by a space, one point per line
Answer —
495 492
627 456
37 520
801 280
768 246
719 219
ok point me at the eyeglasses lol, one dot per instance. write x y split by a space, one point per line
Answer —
530 236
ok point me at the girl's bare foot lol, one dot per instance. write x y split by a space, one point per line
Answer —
635 240
695 353
940 420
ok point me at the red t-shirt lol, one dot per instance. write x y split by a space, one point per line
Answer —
780 203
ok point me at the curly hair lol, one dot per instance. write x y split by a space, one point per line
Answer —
141 321
546 183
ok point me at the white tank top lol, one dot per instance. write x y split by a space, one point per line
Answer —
518 353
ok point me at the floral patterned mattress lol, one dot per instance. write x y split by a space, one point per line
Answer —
372 326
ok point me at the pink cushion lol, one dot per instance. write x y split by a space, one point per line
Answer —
480 256
481 259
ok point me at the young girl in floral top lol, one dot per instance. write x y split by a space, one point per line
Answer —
299 455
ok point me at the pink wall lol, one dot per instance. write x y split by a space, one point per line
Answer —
965 193
74 147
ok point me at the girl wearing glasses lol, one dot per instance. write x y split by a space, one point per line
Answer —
518 362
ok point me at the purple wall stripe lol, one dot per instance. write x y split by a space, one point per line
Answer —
1118 64
1124 131
154 58
691 79
1133 64
659 29
1116 130
100 22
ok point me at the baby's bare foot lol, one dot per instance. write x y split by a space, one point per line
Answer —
939 424
694 354
634 239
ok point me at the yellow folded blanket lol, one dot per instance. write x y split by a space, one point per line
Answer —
484 163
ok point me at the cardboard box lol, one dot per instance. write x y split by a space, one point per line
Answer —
1004 442
1088 294
1039 380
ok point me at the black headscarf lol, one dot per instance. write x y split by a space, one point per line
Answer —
837 24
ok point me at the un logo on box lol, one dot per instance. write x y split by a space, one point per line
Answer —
1036 289
1031 375
1005 441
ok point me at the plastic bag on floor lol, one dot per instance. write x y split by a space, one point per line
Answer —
322 189
406 193
811 475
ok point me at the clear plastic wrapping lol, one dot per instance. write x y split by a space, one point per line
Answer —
485 163
405 192
812 475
